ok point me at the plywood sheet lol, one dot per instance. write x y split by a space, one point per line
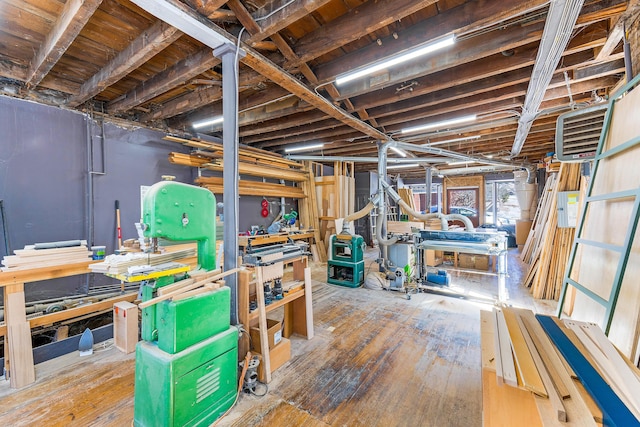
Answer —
607 222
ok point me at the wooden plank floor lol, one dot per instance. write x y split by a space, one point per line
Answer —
377 359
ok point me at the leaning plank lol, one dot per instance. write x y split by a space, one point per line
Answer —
615 412
554 397
186 288
526 366
506 356
624 385
182 283
550 357
262 323
497 351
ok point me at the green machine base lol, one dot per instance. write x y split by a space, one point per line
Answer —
345 273
193 387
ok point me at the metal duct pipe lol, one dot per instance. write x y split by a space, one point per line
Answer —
398 160
381 222
561 19
468 225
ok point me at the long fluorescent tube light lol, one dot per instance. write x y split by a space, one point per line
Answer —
463 162
399 151
402 165
303 148
439 125
466 138
208 122
412 54
184 20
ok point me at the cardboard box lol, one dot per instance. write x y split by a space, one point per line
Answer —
274 334
477 262
125 326
522 230
279 355
433 258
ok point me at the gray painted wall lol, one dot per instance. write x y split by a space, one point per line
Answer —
45 182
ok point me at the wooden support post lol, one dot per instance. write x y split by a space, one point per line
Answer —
244 278
262 323
19 350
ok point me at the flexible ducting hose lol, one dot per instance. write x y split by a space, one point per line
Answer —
361 213
381 217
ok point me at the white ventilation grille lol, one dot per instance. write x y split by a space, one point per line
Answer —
578 133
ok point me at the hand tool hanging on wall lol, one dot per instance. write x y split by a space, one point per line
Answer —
118 229
265 208
5 230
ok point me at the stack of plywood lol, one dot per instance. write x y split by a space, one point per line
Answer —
29 257
548 247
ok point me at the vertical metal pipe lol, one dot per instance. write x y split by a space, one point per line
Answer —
627 54
229 56
428 174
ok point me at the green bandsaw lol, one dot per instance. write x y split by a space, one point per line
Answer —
186 362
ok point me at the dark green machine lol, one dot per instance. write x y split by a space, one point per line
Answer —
345 266
186 363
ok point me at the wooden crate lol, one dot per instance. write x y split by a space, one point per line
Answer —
125 326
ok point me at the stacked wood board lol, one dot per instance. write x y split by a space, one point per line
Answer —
533 369
548 247
307 208
119 264
252 188
30 257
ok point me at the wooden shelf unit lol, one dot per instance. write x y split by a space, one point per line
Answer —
298 311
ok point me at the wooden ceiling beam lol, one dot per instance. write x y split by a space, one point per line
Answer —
318 126
327 136
198 98
356 23
470 16
168 79
148 44
206 7
286 16
297 119
75 14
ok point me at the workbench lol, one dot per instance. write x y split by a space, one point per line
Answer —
297 304
270 239
18 350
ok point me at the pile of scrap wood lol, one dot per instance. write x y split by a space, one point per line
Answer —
199 283
119 264
46 255
567 365
548 247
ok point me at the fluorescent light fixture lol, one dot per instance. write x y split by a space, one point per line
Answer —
439 125
184 20
399 151
208 122
303 148
395 60
465 138
402 165
463 162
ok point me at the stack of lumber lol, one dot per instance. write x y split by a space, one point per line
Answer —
251 161
119 264
30 257
309 214
548 247
574 372
252 188
406 194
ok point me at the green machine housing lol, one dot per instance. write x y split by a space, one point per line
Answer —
345 266
186 364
